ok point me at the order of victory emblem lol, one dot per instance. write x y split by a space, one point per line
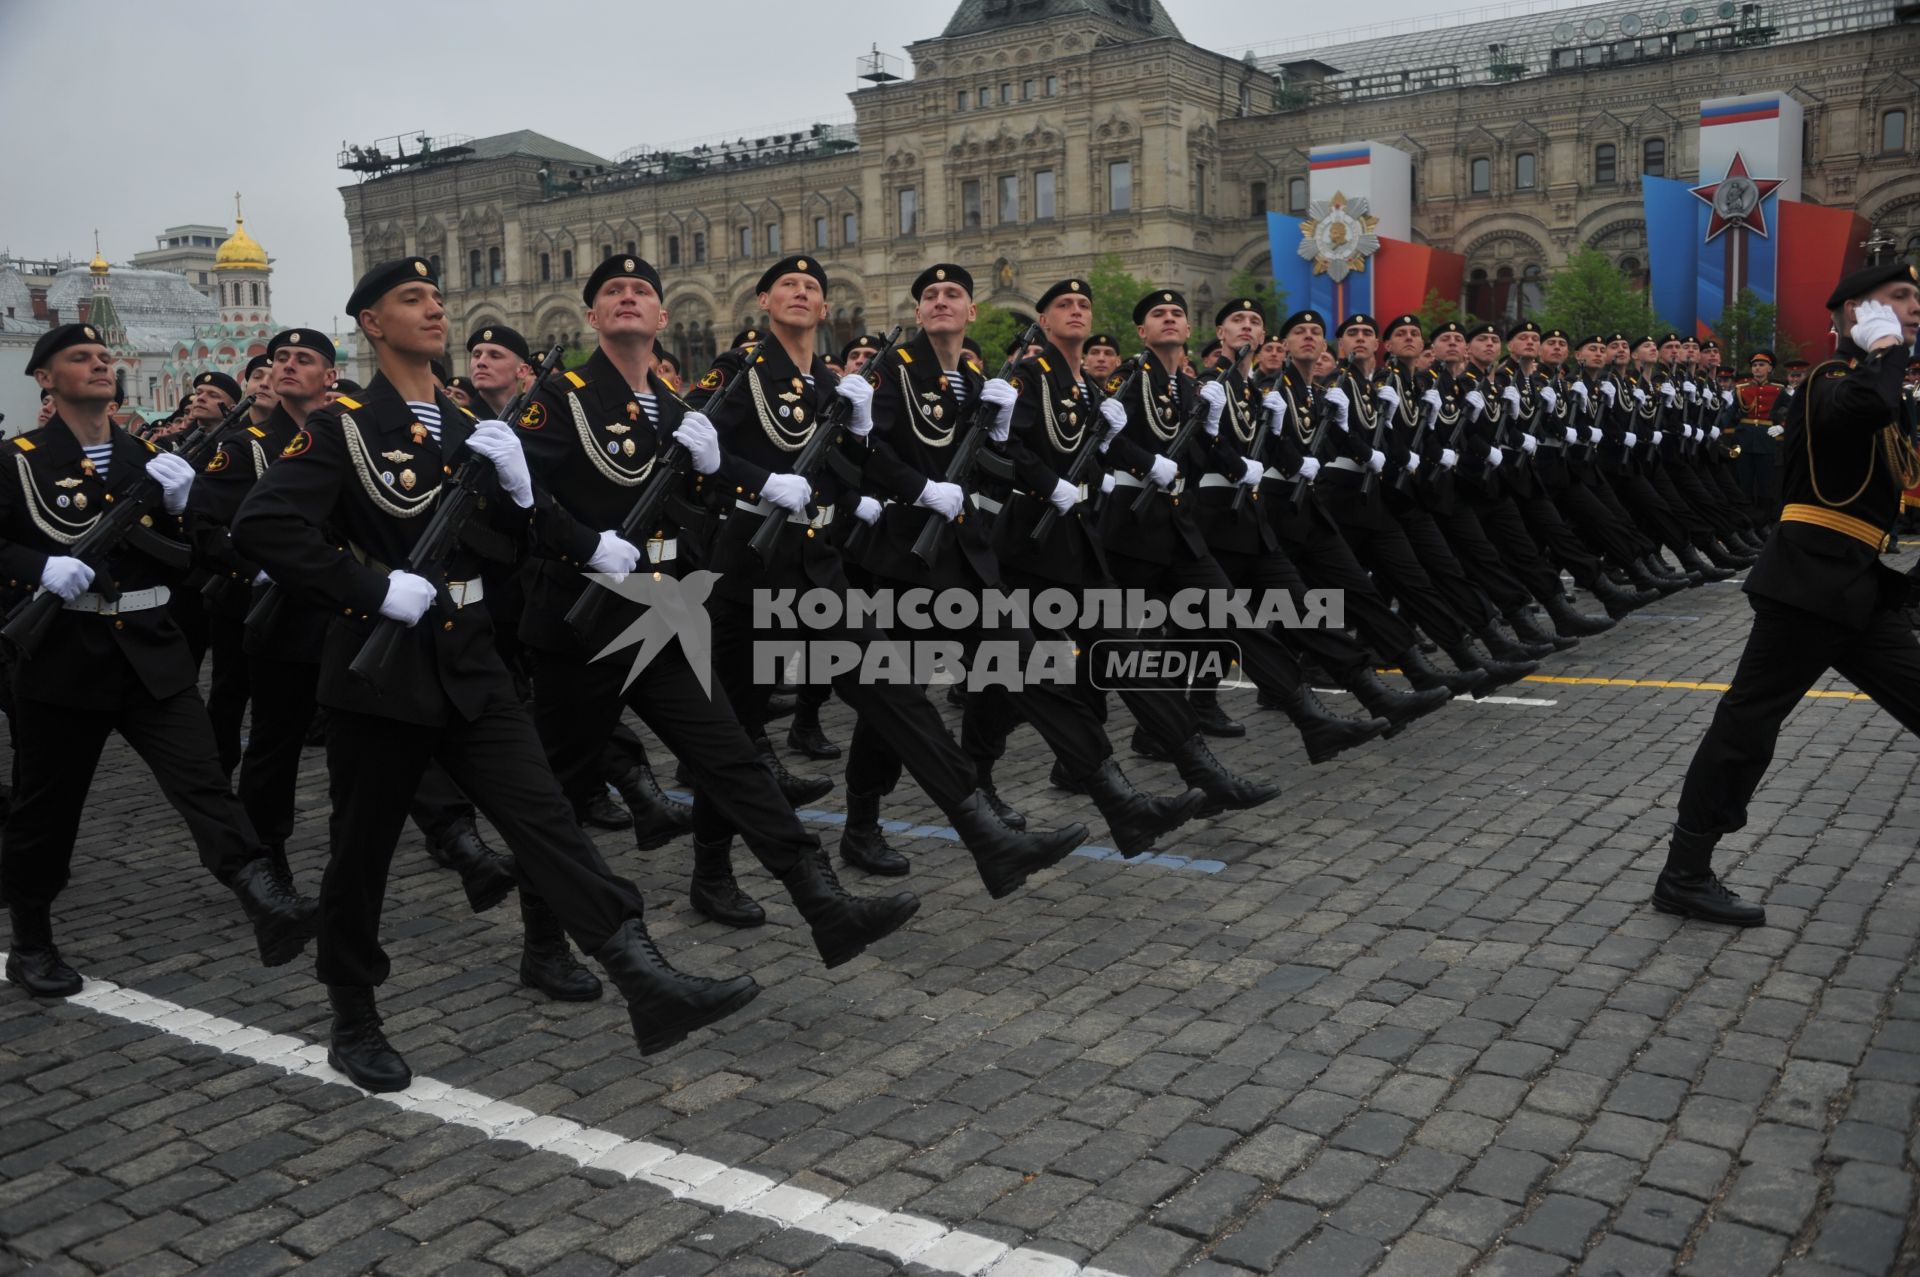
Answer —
1338 237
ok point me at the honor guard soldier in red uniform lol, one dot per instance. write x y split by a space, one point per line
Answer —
1822 599
110 661
333 519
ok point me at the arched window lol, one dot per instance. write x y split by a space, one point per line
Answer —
473 268
546 267
566 263
496 269
1606 158
1533 283
1524 174
1480 175
1296 195
1653 157
1257 199
1893 132
253 293
1479 293
1630 267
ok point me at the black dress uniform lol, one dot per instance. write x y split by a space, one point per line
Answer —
221 612
1822 599
326 521
105 666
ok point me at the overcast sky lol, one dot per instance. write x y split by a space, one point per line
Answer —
132 116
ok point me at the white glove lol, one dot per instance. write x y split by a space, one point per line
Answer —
1573 434
496 441
66 577
1276 411
1476 401
944 499
1432 400
1162 472
1610 391
1106 483
1388 396
1252 474
856 390
1494 458
1690 388
1529 444
1873 323
1551 399
1594 435
1512 395
1449 458
1668 394
696 434
1632 439
1640 396
1775 432
1064 496
1580 388
1338 398
261 578
1413 463
1376 460
1309 467
1002 396
175 476
616 556
1658 435
1686 432
788 491
1216 396
867 510
408 598
1115 417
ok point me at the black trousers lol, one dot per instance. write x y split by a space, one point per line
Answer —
375 768
228 690
1328 562
1556 536
1470 611
576 708
1381 544
1651 514
57 748
1332 650
1263 657
1675 498
1786 653
1506 529
1606 534
1704 501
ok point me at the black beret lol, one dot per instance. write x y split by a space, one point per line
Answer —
1160 297
441 372
793 266
1234 306
1793 364
348 386
1398 322
942 273
501 335
1450 326
865 341
1209 348
255 364
1615 336
1079 287
1524 326
55 340
1016 344
465 385
746 337
1593 339
1551 333
1481 330
1103 339
305 338
1300 317
1641 340
384 278
1862 282
219 381
1668 336
1709 344
968 343
1761 354
1274 339
620 265
1359 319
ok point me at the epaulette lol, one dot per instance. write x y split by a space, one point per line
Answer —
256 432
901 351
351 405
1044 365
470 412
151 446
24 444
575 379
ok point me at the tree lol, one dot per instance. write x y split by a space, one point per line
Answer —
1748 324
1115 291
1437 310
993 327
1590 295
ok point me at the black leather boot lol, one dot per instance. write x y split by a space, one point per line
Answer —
1423 673
1004 858
283 921
1528 630
1643 577
1144 744
1325 733
862 844
804 734
1687 886
665 1004
656 818
1571 624
1135 819
1012 819
358 1048
1223 790
798 790
1617 601
1214 721
1722 557
843 924
602 812
33 962
1499 673
485 875
1397 707
1502 648
1059 779
546 960
1657 564
779 705
1690 560
714 893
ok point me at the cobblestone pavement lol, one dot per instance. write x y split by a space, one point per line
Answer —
1413 1019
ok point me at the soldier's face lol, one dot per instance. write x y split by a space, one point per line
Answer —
80 374
1423 360
1794 376
1618 351
1761 369
1646 352
625 307
259 384
857 358
301 375
1450 347
209 403
1711 358
1069 317
46 412
1404 342
1273 356
1554 351
1242 328
1670 352
1165 325
1324 365
1904 297
410 319
1524 346
494 367
1360 342
1593 356
796 301
944 308
1306 343
1485 348
1100 362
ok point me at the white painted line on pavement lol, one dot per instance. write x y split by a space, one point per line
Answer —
926 1243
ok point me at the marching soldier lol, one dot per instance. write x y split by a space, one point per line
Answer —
1821 597
106 664
364 473
1100 360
